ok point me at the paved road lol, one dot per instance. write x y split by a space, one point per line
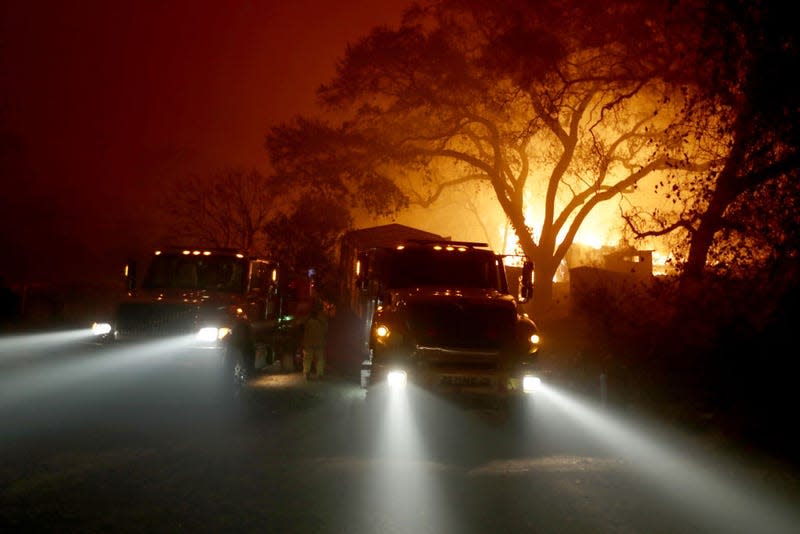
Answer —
159 448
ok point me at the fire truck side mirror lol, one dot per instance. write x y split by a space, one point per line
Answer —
526 282
130 275
362 266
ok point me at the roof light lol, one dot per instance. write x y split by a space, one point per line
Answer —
158 253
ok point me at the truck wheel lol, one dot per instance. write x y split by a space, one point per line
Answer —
298 360
263 356
235 372
287 362
517 415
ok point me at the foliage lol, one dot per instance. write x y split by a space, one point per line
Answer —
724 357
263 216
761 230
744 214
312 157
306 238
556 105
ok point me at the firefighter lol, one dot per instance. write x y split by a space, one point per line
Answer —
315 332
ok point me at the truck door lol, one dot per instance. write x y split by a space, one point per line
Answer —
259 300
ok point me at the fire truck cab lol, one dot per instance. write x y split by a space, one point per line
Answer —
441 316
246 308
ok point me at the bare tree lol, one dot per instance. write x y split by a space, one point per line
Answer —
565 103
227 209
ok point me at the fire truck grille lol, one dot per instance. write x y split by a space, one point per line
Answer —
142 320
456 325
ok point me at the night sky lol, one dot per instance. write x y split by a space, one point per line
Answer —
103 102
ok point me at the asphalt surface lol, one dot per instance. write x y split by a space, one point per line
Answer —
147 445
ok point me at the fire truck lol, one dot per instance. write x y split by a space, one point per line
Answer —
439 314
247 309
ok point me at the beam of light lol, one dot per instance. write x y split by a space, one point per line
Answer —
721 502
17 346
114 361
401 495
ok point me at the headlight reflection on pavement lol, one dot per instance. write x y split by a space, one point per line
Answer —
699 485
402 491
61 374
17 346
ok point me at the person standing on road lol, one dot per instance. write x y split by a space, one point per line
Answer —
315 333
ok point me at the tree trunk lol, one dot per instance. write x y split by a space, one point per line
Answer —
542 300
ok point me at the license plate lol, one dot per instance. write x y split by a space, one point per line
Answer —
466 381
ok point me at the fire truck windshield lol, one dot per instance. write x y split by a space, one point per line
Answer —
214 273
417 267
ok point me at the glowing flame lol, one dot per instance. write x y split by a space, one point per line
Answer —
600 232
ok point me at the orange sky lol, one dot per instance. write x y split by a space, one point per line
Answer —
103 101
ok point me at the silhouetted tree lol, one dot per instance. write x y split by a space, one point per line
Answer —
745 213
262 215
227 209
314 156
306 238
559 106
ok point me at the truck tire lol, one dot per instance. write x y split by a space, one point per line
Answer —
271 355
236 370
517 415
287 362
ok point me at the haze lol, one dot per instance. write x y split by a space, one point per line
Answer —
105 102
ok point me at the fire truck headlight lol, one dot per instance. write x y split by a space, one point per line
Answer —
531 383
101 329
533 343
383 334
397 379
208 334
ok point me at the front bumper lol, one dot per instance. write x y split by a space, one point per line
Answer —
465 380
205 337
